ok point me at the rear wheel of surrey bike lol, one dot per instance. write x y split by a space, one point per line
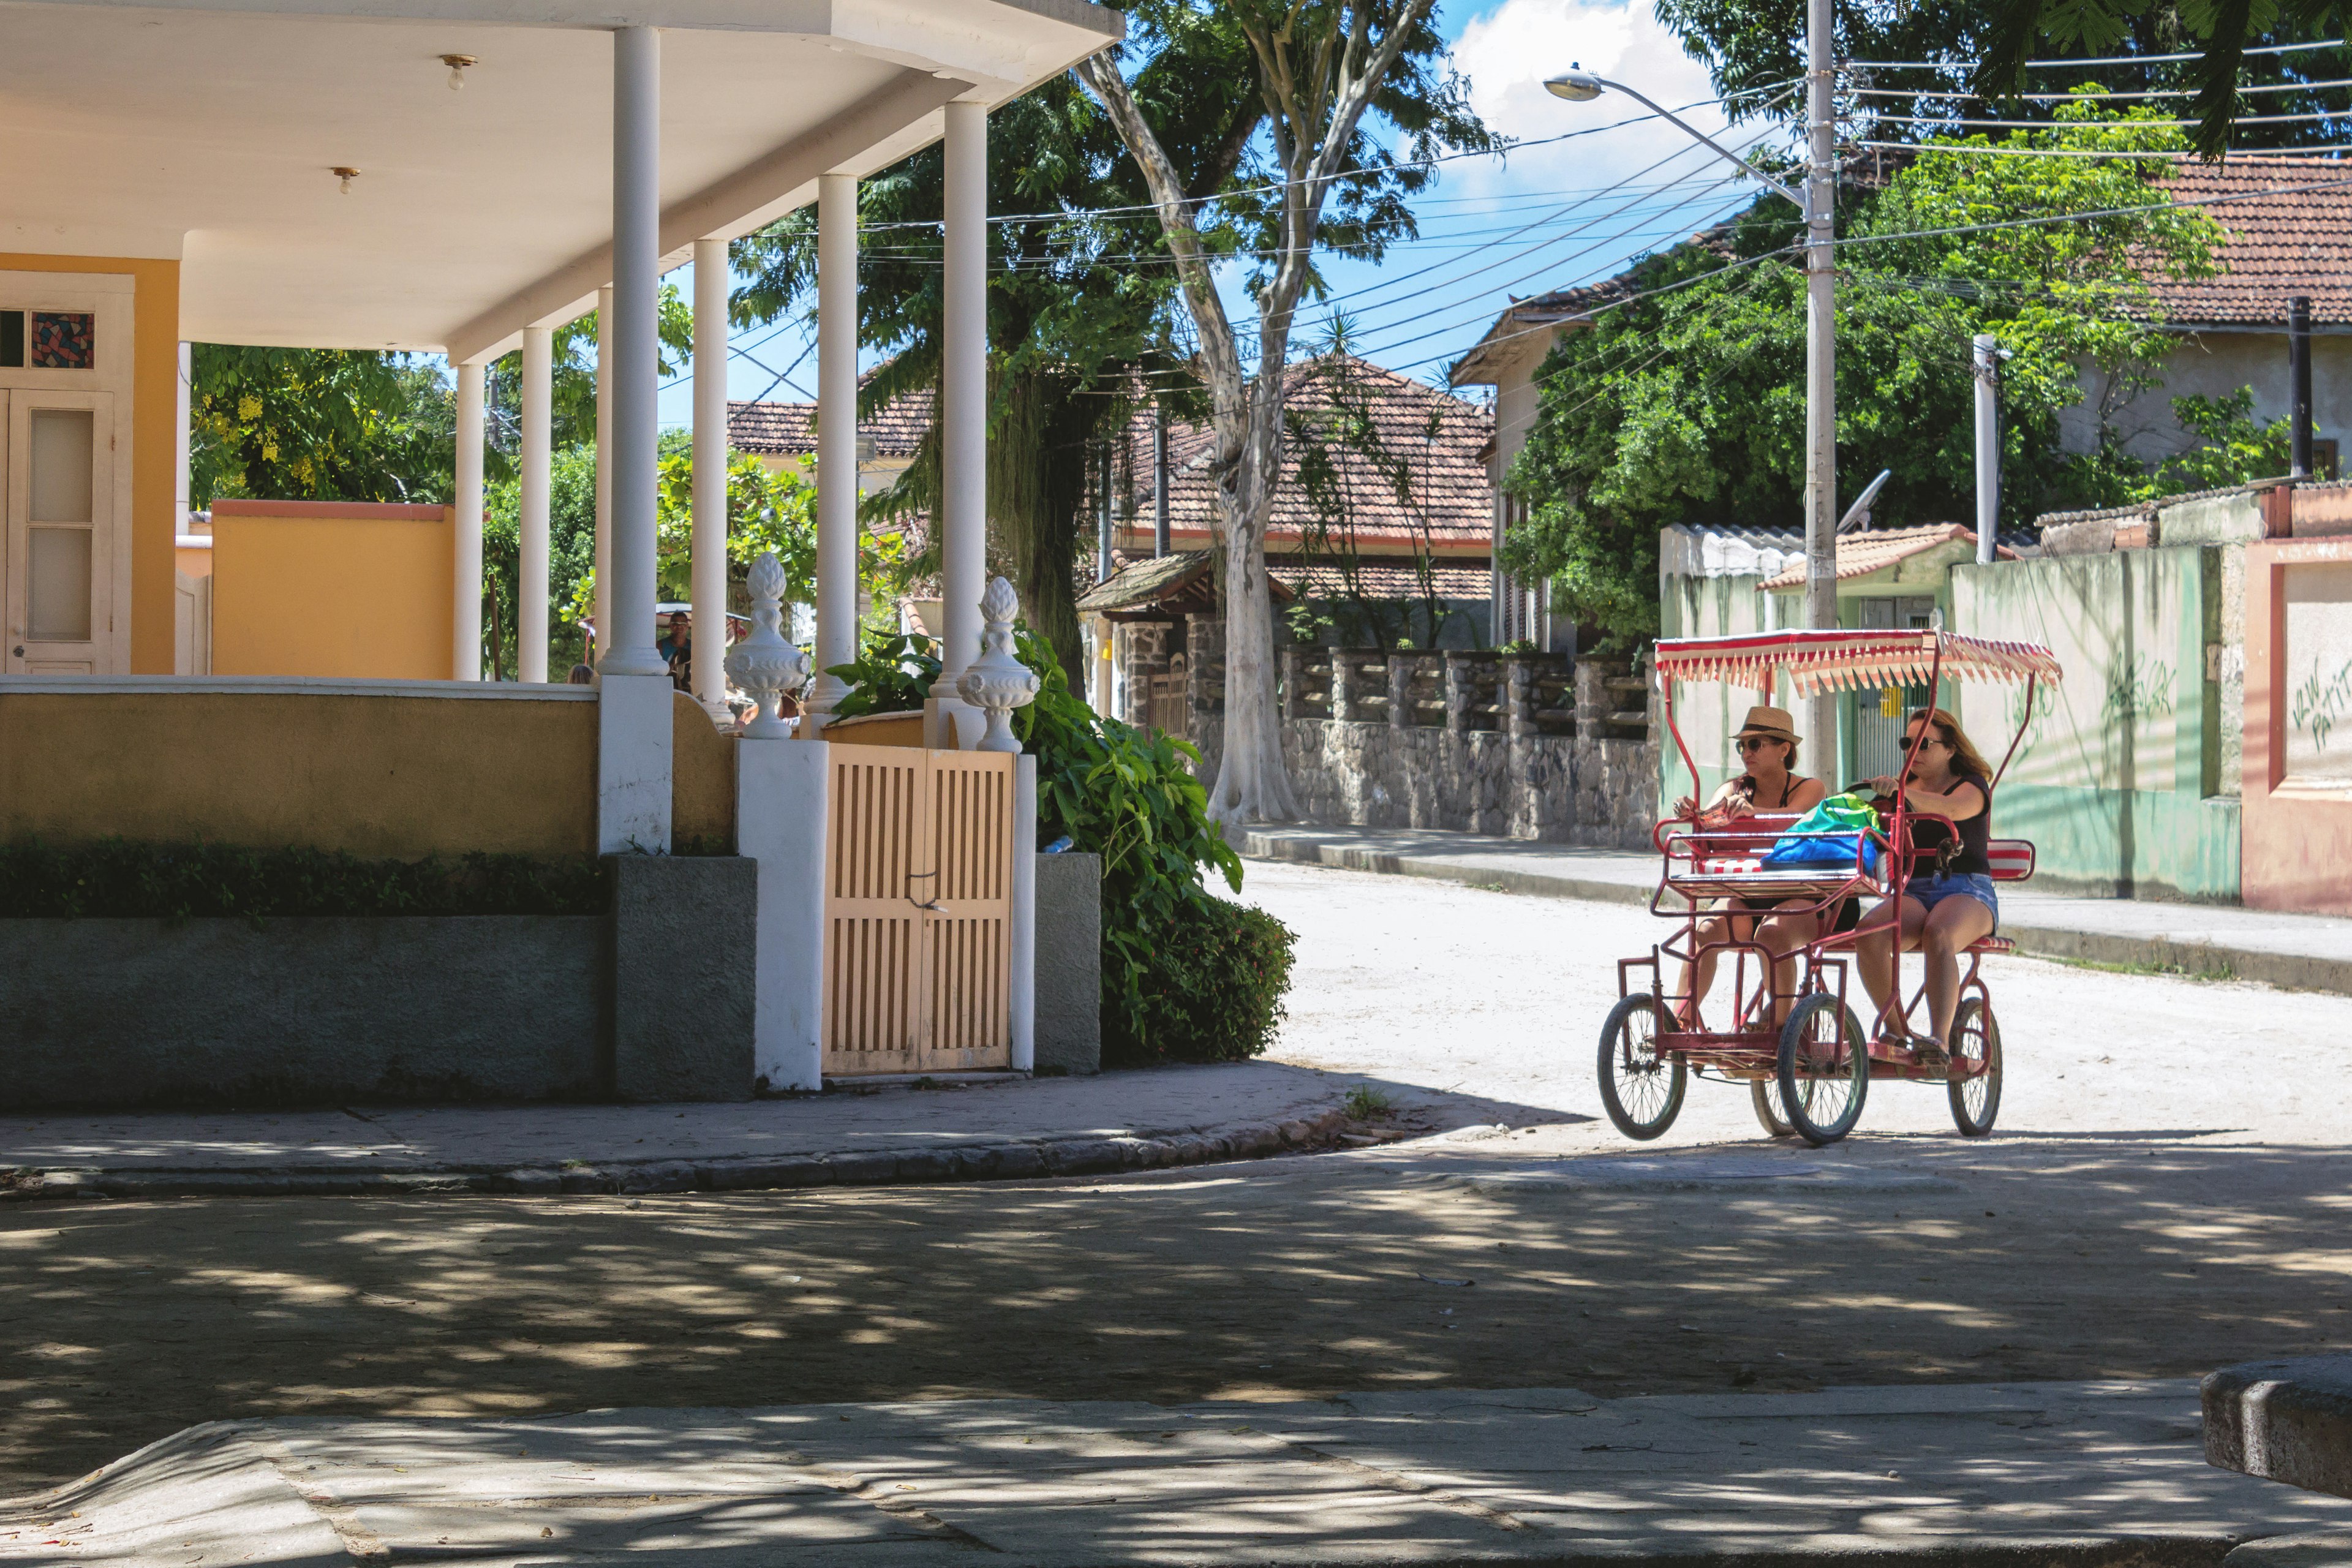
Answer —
1764 1095
1641 1090
1975 1085
1824 1069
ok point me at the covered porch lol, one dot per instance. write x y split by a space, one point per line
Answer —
457 179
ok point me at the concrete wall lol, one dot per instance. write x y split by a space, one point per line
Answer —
1070 964
1558 789
632 1005
2117 780
378 771
1707 712
2298 750
2215 364
338 590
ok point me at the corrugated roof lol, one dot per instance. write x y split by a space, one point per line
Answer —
1860 554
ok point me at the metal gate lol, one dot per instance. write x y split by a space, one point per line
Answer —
1878 715
918 910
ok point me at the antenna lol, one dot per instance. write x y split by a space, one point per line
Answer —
1858 514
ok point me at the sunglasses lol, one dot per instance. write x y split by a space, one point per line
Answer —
1757 743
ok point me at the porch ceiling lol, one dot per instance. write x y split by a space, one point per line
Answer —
211 134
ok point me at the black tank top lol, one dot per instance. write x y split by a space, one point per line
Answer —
1789 786
1975 834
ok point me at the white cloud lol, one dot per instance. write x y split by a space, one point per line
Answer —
1508 49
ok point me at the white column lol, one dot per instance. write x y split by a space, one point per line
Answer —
1023 991
604 610
710 280
836 433
538 477
779 822
466 662
186 390
634 719
964 392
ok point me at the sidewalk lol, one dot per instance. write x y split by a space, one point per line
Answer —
955 1130
2308 952
2083 1473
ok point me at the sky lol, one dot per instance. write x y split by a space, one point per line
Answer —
1553 213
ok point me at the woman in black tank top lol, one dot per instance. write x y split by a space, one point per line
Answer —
1949 902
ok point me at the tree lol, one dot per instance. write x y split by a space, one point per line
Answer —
319 425
571 386
1754 49
1320 68
1078 327
1685 404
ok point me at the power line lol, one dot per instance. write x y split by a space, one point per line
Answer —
2092 98
2070 64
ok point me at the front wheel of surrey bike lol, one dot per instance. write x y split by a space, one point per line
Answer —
1764 1095
1975 1083
1824 1069
1641 1090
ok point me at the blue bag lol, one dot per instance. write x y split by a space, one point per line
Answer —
1841 823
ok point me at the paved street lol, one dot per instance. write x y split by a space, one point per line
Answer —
2169 1209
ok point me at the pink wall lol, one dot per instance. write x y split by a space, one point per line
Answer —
2297 853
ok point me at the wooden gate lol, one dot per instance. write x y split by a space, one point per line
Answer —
918 910
1168 704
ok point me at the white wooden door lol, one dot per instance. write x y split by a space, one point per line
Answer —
60 566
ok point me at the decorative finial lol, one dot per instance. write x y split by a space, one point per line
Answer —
763 664
997 680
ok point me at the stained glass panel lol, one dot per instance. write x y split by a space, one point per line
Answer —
63 339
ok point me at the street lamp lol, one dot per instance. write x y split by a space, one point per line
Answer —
1578 85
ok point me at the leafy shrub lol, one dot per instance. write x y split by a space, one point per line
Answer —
1213 989
892 674
116 878
1186 976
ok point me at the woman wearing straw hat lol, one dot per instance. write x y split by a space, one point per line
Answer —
1768 746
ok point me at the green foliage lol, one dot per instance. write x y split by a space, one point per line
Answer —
767 509
570 562
1688 405
571 407
317 424
892 674
116 878
2236 450
1187 976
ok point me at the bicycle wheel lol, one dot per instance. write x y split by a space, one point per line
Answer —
1763 1097
1975 1085
1824 1069
1641 1090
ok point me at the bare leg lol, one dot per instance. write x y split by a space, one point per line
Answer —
1699 974
1950 927
1784 934
1874 954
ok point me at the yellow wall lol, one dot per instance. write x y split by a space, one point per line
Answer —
155 441
375 776
335 589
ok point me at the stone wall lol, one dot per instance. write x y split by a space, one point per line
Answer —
1559 789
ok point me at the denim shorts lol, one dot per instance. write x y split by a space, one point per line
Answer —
1932 890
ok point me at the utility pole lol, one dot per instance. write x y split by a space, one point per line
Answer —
1821 359
1158 480
1987 446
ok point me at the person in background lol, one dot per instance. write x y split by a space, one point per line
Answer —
677 648
580 675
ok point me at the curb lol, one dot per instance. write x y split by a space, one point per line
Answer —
1012 1160
2287 971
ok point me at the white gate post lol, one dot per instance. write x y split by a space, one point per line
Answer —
780 821
1023 989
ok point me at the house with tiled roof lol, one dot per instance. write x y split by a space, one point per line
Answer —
783 435
2287 227
1384 500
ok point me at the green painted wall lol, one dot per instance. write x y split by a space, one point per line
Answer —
2117 779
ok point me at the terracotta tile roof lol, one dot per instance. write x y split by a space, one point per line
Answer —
2293 235
1860 554
1433 438
789 429
1384 580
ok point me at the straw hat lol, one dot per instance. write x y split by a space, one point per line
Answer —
1773 723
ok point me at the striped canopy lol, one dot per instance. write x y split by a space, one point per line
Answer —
1839 661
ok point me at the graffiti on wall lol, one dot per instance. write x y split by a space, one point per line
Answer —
2318 661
